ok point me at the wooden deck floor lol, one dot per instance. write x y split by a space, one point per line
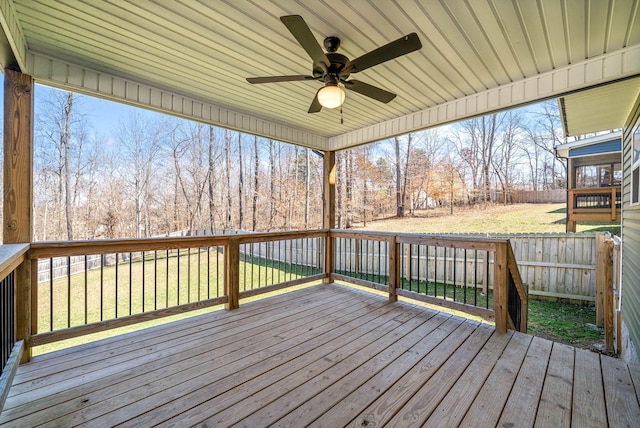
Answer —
324 356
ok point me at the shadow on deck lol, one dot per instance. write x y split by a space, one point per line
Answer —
327 356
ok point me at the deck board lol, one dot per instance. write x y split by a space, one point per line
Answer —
555 403
325 356
588 392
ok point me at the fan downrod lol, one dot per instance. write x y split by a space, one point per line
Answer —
331 43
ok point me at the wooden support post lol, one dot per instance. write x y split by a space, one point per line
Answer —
601 281
501 288
329 211
18 189
609 309
394 269
232 273
614 208
34 296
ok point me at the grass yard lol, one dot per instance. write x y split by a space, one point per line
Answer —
516 218
561 322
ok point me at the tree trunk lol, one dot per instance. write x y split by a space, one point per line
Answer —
212 217
240 184
227 153
399 201
256 167
272 184
307 184
66 142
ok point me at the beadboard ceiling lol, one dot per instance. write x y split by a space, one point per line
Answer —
190 58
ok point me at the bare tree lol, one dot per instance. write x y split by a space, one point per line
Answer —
256 172
240 184
188 148
506 151
140 141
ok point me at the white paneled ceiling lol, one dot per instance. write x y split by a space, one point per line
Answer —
191 58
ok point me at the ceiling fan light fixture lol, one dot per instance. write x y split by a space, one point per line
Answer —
331 96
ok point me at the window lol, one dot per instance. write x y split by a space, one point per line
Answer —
635 167
590 176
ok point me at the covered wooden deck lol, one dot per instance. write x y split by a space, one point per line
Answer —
327 356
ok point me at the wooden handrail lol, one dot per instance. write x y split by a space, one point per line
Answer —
515 274
41 250
521 289
11 256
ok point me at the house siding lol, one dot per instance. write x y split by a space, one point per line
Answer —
630 237
612 146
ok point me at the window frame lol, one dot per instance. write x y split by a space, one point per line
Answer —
634 199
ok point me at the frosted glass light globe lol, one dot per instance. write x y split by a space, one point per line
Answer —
331 96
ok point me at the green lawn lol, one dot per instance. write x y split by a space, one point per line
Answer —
516 218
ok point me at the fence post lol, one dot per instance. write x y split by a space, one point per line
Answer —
500 287
608 297
394 268
232 273
601 277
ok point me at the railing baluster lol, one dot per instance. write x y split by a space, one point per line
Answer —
155 280
116 287
130 282
102 256
464 281
455 286
166 295
188 275
68 291
178 273
86 269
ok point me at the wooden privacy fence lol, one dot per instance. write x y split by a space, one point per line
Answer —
548 196
559 266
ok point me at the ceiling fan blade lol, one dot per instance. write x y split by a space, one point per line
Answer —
274 79
369 91
315 106
303 35
402 46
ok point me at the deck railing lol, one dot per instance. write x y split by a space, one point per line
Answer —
132 281
455 272
595 200
12 258
121 282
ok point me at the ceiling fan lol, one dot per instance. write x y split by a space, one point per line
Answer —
334 69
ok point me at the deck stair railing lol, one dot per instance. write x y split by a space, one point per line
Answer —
460 273
12 258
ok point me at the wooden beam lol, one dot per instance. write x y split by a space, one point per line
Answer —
329 189
329 211
609 308
394 270
232 273
18 189
501 288
18 157
601 277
